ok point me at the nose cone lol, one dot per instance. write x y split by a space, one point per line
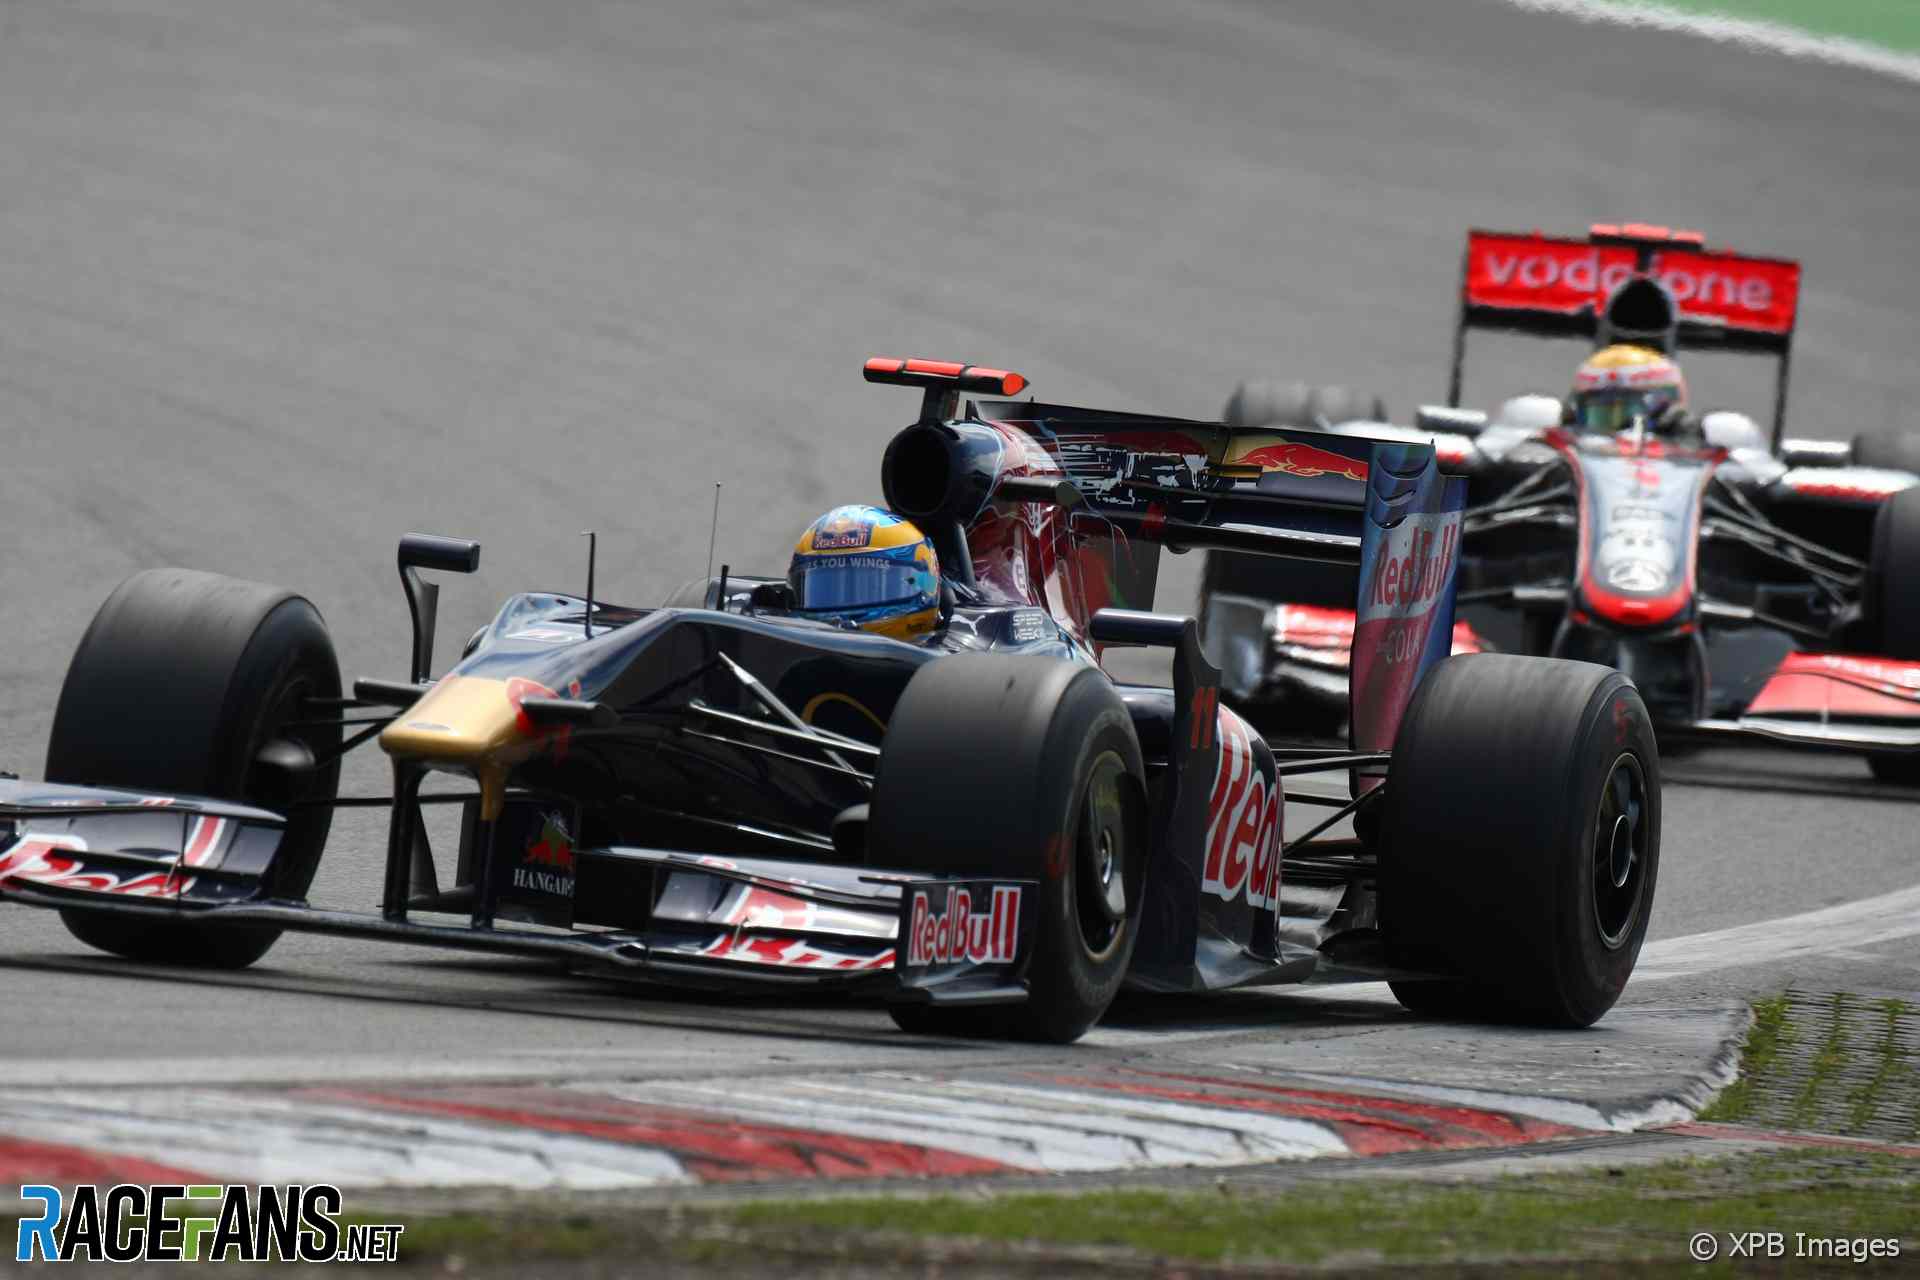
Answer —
465 721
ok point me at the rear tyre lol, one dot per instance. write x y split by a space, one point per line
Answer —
180 681
1521 839
1891 448
1021 768
1264 403
1894 603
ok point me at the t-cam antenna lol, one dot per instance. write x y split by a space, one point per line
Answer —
593 549
713 531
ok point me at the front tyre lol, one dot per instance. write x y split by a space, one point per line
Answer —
180 685
1894 605
1021 768
1521 839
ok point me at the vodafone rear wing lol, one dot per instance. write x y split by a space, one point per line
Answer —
1632 282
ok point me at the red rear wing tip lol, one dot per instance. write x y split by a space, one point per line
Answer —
944 375
1641 233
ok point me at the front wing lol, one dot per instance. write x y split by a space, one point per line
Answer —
1836 701
696 919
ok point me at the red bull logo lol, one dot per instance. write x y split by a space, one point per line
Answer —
1416 567
839 532
553 848
960 933
1407 576
1297 459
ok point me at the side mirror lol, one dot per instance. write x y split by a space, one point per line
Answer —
1455 421
1725 429
1531 412
430 551
1816 453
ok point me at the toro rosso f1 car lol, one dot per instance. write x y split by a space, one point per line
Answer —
977 824
1754 588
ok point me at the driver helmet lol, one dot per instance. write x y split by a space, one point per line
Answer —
1620 383
867 568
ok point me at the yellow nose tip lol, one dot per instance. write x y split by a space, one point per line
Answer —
463 720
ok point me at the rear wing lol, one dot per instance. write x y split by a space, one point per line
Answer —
1028 501
1631 282
1184 484
962 470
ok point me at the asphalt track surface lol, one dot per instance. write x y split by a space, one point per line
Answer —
279 282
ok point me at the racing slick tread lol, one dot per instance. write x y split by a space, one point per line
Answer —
180 679
983 773
1893 600
1492 809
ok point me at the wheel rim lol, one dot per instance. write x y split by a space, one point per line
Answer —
280 771
1102 846
1620 851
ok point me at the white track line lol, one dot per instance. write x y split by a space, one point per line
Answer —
1849 926
1824 934
1748 33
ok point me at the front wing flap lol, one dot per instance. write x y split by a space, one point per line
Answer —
112 843
1838 701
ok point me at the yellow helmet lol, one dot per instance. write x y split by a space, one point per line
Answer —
870 569
1617 384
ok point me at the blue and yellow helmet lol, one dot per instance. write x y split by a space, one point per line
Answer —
870 569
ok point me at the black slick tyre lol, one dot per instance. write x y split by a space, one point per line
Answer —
1021 768
179 683
1893 602
1264 403
1891 448
1520 839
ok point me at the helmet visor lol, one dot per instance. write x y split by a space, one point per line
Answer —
1614 409
831 583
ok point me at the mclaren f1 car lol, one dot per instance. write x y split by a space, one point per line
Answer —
976 823
1756 588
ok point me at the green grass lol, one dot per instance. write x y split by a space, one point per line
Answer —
1827 1062
1831 1063
488 1237
1772 1033
1892 24
1606 1215
1892 1075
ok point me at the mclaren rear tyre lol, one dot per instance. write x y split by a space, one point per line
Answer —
1890 447
198 684
1894 603
1520 840
1021 768
1295 404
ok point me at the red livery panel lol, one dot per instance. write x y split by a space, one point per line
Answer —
1839 684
